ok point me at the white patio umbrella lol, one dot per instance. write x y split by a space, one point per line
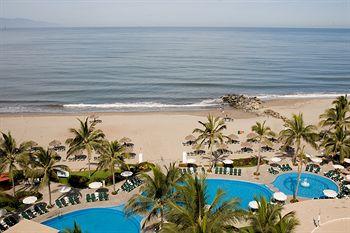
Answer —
227 161
253 205
280 196
65 189
308 155
275 159
30 200
2 212
346 160
330 193
316 160
347 186
347 177
126 173
338 166
191 160
95 185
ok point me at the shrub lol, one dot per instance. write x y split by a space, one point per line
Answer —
9 202
22 194
18 175
77 181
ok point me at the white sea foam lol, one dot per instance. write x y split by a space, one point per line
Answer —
299 95
145 105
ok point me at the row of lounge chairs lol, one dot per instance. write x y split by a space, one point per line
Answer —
313 168
131 184
285 167
98 196
71 199
272 171
344 191
334 175
228 171
38 209
8 222
190 170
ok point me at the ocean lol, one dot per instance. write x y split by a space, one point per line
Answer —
61 70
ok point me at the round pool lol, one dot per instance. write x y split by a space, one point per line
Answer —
244 191
312 187
97 220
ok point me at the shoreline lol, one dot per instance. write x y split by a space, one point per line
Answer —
195 112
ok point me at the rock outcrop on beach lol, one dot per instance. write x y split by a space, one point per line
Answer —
272 113
245 103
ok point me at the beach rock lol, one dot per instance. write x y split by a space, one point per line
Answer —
272 113
243 102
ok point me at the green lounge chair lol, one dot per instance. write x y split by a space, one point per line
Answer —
25 215
88 198
235 171
220 170
216 170
231 171
59 203
239 172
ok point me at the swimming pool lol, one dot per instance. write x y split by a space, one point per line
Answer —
287 183
244 191
97 220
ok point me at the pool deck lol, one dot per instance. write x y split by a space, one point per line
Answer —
306 209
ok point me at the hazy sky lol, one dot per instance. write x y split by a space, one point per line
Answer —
256 13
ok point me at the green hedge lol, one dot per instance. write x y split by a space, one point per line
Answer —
9 202
22 194
78 181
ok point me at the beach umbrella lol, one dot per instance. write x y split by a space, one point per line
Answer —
198 147
191 161
246 145
29 200
330 193
316 160
95 185
227 161
233 137
222 146
126 173
190 138
125 140
280 196
338 166
253 205
347 186
308 155
275 159
65 189
184 157
251 135
55 143
346 160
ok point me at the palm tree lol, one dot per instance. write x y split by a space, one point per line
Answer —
262 136
211 133
192 212
76 229
301 160
85 138
268 219
45 166
11 155
111 155
337 116
337 143
156 191
296 132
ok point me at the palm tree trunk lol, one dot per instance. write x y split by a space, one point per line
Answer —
13 183
300 164
89 158
49 187
297 151
259 159
113 178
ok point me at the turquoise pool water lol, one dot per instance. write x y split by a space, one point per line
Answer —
287 183
244 191
97 220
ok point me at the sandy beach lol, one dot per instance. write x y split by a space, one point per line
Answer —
158 135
